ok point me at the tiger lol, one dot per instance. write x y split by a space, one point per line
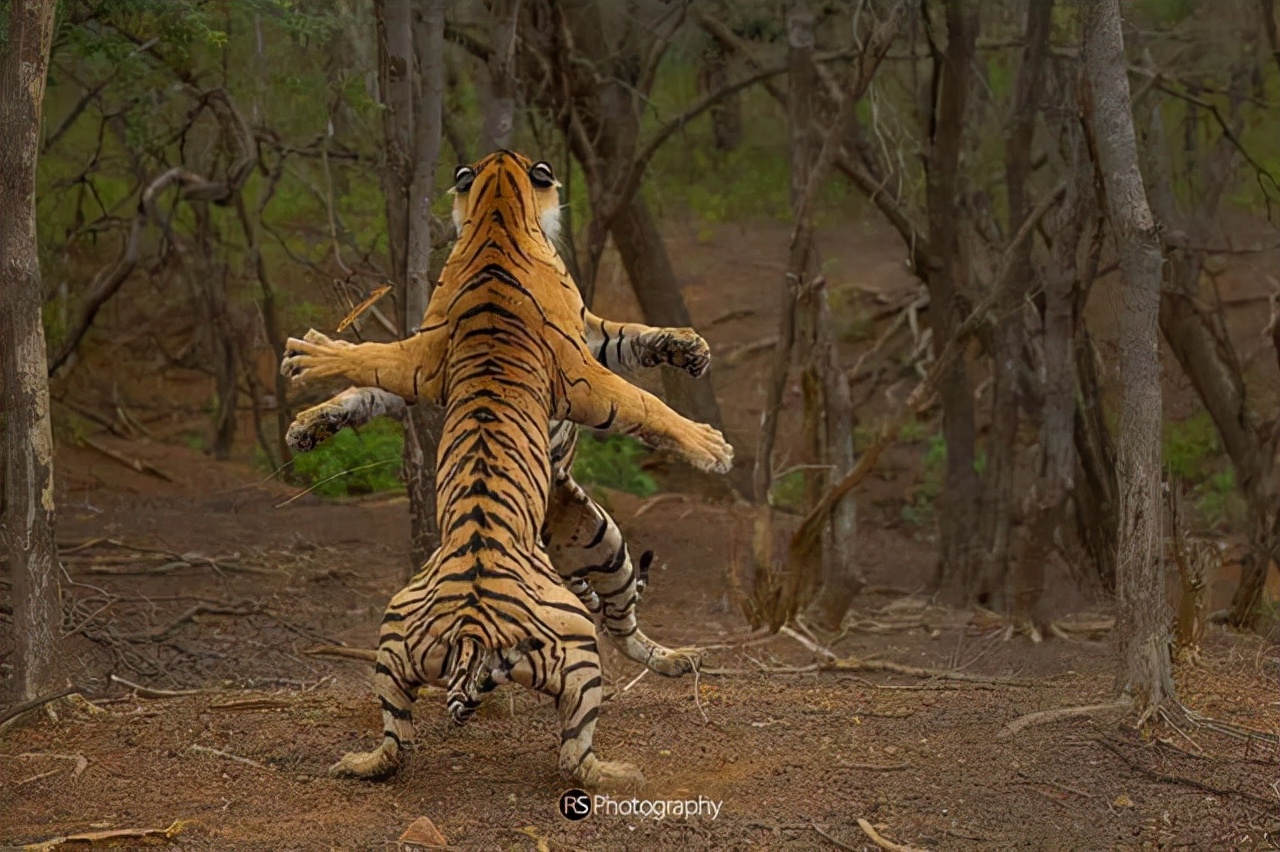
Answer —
503 349
585 544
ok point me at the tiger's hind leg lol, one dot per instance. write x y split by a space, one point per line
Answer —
396 678
587 548
568 670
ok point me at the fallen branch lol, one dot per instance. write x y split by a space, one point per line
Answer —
834 663
1044 717
27 706
875 838
190 614
833 841
137 465
229 756
111 836
368 655
151 692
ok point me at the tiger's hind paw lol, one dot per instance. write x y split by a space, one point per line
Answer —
368 765
672 663
609 776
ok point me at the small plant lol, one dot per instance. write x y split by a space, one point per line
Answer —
612 462
354 462
788 491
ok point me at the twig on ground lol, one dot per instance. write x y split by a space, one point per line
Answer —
27 706
136 465
1043 717
832 840
229 756
875 838
110 835
151 692
368 655
189 615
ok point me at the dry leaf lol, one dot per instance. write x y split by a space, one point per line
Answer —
423 832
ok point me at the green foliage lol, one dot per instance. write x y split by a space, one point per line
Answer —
1193 453
355 462
1191 446
788 491
612 462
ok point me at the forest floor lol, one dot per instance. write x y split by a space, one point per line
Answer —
212 584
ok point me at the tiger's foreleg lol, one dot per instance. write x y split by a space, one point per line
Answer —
624 347
597 398
587 549
410 368
352 408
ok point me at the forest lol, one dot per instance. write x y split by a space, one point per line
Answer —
991 292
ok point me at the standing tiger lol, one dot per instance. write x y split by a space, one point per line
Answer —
585 544
503 348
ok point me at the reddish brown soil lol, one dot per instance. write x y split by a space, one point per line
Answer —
793 755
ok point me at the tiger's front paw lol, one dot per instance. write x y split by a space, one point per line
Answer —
315 356
313 427
682 348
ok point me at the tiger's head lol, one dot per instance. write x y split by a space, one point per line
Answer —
507 179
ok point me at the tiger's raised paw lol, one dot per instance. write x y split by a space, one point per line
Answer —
313 427
315 356
682 348
705 448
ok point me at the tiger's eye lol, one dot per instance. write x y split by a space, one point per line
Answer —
541 175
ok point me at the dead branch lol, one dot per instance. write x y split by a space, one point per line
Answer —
368 655
109 836
887 845
133 464
832 840
197 610
1044 717
229 756
151 692
26 706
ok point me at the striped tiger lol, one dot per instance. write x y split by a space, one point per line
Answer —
586 546
503 349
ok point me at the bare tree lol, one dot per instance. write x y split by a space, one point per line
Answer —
1144 617
411 85
27 525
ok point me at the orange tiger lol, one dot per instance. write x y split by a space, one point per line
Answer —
503 349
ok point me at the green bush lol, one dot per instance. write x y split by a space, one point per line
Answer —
612 462
355 462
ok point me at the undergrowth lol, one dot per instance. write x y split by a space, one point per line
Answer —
355 462
612 462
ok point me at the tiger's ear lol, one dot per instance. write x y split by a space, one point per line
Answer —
463 177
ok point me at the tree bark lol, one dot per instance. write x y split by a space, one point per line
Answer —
947 280
411 86
1144 617
26 527
500 108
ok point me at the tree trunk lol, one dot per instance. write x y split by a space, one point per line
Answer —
411 86
500 108
1143 618
26 530
947 280
1011 288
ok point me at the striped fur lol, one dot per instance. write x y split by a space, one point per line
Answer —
585 544
503 348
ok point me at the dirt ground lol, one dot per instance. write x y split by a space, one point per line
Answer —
213 586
